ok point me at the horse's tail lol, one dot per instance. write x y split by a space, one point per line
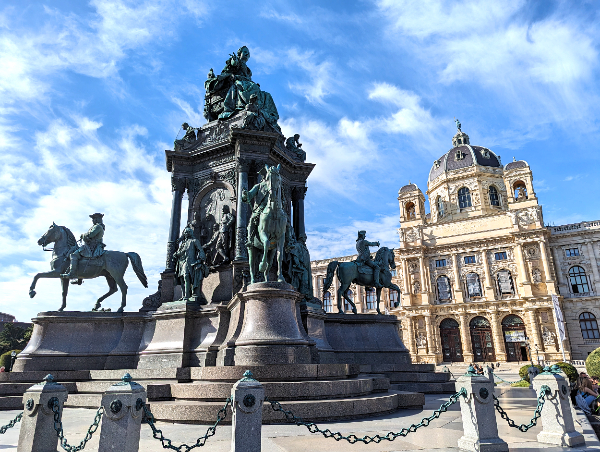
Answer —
136 263
329 278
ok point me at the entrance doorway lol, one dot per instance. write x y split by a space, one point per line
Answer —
451 344
481 338
513 330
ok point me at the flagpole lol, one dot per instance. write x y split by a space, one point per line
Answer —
561 334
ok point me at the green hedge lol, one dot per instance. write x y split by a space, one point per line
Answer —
5 358
523 371
592 363
569 371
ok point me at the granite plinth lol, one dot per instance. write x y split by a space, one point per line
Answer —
217 287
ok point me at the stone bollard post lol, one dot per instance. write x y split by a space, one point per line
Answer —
37 426
248 396
489 372
478 415
557 418
123 406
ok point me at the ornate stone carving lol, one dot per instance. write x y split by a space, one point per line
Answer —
416 287
412 234
536 276
152 302
421 340
178 183
548 336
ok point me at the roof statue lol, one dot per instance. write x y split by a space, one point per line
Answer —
458 125
233 90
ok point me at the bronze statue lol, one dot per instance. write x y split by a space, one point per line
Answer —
298 264
190 267
92 247
293 145
222 238
364 256
188 138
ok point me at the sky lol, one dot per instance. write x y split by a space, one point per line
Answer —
93 92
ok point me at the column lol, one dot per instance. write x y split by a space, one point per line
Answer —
559 273
406 300
358 300
497 335
424 282
465 338
535 331
524 273
410 333
547 271
298 194
431 348
241 252
489 286
458 293
316 288
594 265
336 286
178 186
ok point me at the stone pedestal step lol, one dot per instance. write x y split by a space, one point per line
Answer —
414 377
10 389
426 388
202 412
11 403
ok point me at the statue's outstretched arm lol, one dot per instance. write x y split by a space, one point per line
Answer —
247 196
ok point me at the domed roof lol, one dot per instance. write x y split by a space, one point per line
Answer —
516 164
462 156
408 188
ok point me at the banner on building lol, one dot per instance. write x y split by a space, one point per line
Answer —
514 336
560 321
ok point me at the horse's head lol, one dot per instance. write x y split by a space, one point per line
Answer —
391 258
272 179
51 235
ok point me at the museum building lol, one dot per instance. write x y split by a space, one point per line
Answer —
478 272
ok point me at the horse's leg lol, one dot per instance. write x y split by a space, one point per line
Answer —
121 283
378 291
112 288
341 295
252 263
50 274
263 263
65 291
280 277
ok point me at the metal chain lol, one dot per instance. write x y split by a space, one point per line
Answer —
509 382
60 432
11 424
391 436
544 391
167 443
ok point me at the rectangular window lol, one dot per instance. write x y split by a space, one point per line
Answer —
572 252
501 256
440 263
393 273
469 259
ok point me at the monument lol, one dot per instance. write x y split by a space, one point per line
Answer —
236 292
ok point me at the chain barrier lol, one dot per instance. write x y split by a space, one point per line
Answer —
167 443
544 391
11 424
391 436
55 405
503 380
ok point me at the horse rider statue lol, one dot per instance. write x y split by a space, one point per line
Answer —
364 256
92 245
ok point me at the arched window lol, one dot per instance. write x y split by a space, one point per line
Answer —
440 206
410 211
473 285
350 295
448 323
371 298
589 326
494 198
505 283
327 302
520 190
443 288
578 280
464 198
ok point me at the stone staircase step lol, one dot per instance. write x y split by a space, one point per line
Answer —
11 403
426 388
99 386
9 389
36 377
83 400
412 377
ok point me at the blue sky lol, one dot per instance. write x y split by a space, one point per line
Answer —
93 92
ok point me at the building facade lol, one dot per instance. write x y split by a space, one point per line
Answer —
478 272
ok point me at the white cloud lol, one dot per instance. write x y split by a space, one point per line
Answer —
320 75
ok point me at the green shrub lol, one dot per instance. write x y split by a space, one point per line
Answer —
592 363
523 371
5 358
520 384
569 371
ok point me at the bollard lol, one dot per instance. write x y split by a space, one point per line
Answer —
247 402
489 373
532 372
557 418
478 415
37 426
123 406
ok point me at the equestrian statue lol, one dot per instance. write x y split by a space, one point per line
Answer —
267 225
73 262
363 271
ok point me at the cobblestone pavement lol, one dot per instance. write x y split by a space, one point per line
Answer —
442 434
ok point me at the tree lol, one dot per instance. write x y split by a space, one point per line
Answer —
13 337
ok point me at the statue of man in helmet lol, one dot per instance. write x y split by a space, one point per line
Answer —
92 245
364 256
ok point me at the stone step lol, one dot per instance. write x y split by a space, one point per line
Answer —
84 400
413 377
8 389
36 377
287 372
407 367
166 373
203 412
426 388
11 403
99 386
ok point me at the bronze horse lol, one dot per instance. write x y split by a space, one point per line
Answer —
112 265
347 273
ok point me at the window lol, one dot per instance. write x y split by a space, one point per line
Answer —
371 298
578 280
464 198
443 287
501 256
327 302
410 211
469 259
494 198
440 263
440 206
473 285
505 283
520 191
572 252
350 295
393 272
393 298
589 326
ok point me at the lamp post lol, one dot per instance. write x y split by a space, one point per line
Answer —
13 358
529 350
537 354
